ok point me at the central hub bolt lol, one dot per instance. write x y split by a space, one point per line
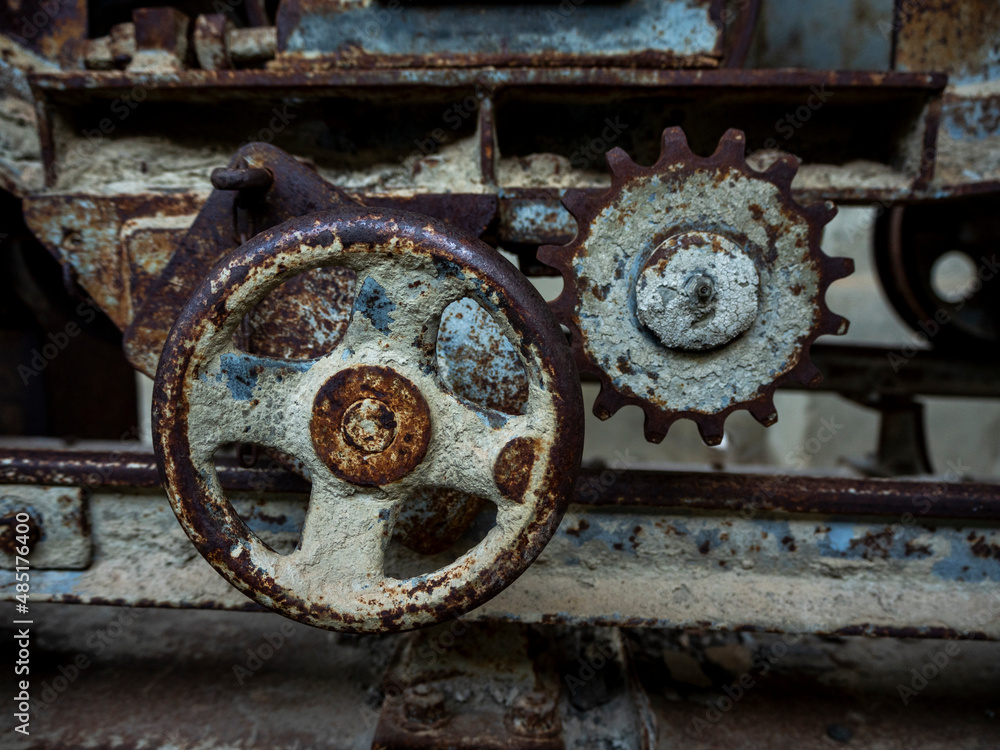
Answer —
369 425
697 291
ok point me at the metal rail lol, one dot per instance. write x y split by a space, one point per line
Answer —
745 494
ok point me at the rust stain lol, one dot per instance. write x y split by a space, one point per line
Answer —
370 425
512 470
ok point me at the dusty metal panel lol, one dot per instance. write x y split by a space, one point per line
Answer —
368 33
958 38
754 571
60 527
92 233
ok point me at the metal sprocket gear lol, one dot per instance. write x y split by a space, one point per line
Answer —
696 286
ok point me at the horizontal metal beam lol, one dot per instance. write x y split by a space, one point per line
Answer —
674 490
243 83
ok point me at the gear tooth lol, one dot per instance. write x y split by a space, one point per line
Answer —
839 325
577 202
560 307
764 411
820 213
806 373
673 145
548 254
711 429
605 404
732 147
620 162
840 268
783 170
656 424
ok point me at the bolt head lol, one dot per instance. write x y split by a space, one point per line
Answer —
424 705
697 291
369 425
535 714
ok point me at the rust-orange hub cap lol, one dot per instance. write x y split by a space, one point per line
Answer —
370 425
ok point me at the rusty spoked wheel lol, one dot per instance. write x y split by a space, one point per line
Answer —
958 312
371 420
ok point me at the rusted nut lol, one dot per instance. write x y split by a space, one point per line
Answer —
535 714
218 45
13 529
97 54
210 40
112 51
252 46
424 706
370 425
248 178
161 39
121 42
698 290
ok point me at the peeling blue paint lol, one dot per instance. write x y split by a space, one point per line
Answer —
240 372
374 304
446 268
962 565
838 538
492 419
706 540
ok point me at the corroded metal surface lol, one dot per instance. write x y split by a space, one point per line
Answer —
618 566
59 527
370 425
409 269
958 38
649 210
92 234
710 491
363 33
226 219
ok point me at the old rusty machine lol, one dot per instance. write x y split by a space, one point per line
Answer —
313 227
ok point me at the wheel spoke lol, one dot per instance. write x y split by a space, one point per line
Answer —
467 440
246 398
345 533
